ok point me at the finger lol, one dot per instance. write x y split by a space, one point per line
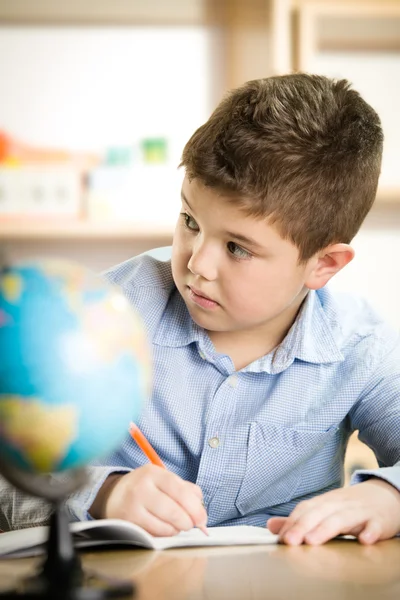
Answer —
371 533
196 489
153 524
293 533
275 524
166 509
339 522
185 496
295 516
327 500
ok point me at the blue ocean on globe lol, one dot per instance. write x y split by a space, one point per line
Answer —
75 366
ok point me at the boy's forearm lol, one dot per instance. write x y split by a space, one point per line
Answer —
99 505
80 503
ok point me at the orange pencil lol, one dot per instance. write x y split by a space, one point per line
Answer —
145 445
149 451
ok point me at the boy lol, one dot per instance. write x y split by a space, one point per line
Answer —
260 373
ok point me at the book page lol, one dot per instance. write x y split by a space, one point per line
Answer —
116 530
218 536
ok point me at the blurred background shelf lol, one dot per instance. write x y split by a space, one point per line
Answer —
388 195
48 229
29 229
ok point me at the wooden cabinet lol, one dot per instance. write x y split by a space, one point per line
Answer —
344 26
358 40
255 38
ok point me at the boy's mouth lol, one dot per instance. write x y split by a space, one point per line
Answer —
201 299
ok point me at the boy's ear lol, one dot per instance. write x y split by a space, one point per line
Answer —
329 262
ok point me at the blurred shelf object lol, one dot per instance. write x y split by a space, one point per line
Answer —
49 229
40 190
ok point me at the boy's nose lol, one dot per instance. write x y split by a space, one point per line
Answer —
203 264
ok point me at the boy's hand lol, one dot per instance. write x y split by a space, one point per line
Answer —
153 498
368 510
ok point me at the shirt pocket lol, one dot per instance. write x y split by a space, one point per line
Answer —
276 457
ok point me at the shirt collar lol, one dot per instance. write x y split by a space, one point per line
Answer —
310 339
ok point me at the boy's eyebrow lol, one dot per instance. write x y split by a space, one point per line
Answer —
185 199
237 236
246 240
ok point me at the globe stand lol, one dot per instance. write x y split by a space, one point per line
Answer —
61 576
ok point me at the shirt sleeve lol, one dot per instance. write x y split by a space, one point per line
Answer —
377 417
78 504
19 510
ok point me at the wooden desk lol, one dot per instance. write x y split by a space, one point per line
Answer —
342 569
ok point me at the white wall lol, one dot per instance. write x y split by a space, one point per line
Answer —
90 88
376 75
375 271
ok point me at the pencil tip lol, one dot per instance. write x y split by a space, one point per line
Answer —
203 528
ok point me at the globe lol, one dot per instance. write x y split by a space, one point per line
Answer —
75 366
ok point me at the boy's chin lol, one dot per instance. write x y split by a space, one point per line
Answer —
199 319
202 319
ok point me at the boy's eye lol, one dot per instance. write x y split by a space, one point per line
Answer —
190 222
237 251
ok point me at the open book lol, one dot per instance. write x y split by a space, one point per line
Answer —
115 532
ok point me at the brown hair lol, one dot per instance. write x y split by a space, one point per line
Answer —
303 150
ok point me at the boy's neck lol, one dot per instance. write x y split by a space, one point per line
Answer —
242 350
246 346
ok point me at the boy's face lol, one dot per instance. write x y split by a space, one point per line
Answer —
234 272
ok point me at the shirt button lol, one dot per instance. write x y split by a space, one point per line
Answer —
233 381
202 355
213 442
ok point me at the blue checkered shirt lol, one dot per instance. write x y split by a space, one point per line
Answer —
259 440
